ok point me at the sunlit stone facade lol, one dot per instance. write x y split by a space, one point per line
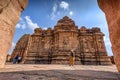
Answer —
53 46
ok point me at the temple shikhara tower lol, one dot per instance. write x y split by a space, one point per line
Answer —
53 46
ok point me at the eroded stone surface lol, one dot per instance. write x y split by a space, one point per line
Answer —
58 72
112 12
10 11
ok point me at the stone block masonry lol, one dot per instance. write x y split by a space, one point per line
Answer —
53 46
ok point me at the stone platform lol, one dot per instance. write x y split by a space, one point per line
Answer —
58 72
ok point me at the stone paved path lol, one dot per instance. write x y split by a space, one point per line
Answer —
58 72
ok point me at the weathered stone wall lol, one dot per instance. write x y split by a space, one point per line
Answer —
112 11
54 45
10 11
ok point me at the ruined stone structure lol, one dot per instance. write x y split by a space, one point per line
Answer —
10 11
111 9
52 46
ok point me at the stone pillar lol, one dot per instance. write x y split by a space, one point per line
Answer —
111 9
10 11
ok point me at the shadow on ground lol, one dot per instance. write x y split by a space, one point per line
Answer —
60 75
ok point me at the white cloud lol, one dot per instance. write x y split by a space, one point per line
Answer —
61 9
54 10
21 24
21 19
107 41
18 25
26 22
13 45
70 13
30 23
64 5
45 28
108 46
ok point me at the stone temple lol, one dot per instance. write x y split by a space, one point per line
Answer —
53 46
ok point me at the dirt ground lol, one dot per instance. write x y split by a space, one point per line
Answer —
58 72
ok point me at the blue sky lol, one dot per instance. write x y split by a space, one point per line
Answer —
46 13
